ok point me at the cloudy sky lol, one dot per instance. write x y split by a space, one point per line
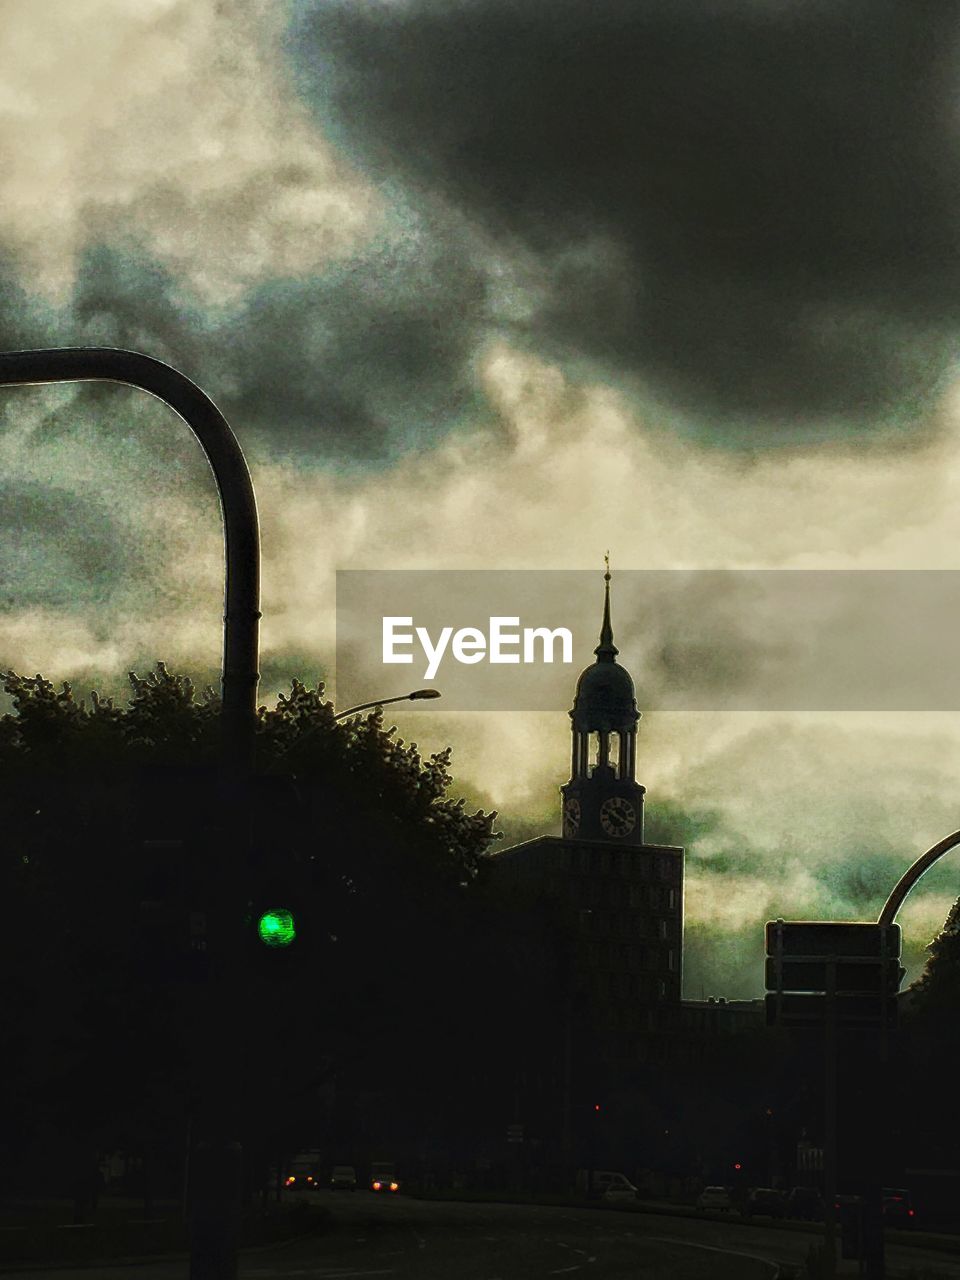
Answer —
501 285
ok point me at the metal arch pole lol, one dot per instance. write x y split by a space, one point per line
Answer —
910 877
216 1217
241 526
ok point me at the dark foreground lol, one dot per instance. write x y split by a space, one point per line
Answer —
432 1240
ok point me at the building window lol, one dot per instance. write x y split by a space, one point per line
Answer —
671 959
655 898
662 988
662 930
672 899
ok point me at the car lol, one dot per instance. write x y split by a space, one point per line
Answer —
619 1190
898 1208
714 1200
343 1178
385 1183
299 1181
764 1201
599 1181
805 1203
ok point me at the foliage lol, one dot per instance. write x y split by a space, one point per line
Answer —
114 819
938 989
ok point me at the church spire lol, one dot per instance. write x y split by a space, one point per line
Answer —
606 650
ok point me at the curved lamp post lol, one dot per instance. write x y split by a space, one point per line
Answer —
216 1171
913 874
241 528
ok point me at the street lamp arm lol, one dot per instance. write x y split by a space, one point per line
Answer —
365 706
241 528
913 874
385 702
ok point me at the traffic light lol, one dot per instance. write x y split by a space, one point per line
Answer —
277 928
277 875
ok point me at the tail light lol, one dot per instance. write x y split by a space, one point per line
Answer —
376 1186
394 1186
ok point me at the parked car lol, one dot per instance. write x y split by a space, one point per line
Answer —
898 1208
604 1180
343 1178
619 1190
714 1200
805 1203
764 1202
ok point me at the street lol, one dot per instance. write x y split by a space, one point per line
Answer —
439 1240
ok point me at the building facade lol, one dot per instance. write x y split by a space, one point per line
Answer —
626 896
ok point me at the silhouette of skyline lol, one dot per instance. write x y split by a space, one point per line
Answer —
733 351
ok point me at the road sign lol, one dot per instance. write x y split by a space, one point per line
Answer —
809 1009
847 970
851 974
839 938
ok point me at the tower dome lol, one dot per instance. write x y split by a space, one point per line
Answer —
603 800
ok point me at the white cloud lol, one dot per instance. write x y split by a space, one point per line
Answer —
172 124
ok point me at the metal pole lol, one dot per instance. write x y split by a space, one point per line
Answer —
830 1125
241 528
910 877
214 1179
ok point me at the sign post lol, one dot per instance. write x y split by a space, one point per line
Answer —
831 974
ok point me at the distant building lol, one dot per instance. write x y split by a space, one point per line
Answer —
626 896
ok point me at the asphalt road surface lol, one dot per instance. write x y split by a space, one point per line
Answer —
410 1239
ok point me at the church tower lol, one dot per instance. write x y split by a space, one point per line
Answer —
603 800
626 896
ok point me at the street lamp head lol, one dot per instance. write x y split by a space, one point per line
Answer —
423 693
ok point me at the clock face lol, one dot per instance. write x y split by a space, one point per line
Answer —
571 816
617 816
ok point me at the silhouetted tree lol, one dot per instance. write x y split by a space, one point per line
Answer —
109 813
928 1108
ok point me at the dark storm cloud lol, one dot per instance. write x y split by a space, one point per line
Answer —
356 364
366 360
752 207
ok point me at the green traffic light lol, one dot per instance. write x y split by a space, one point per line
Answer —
276 928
